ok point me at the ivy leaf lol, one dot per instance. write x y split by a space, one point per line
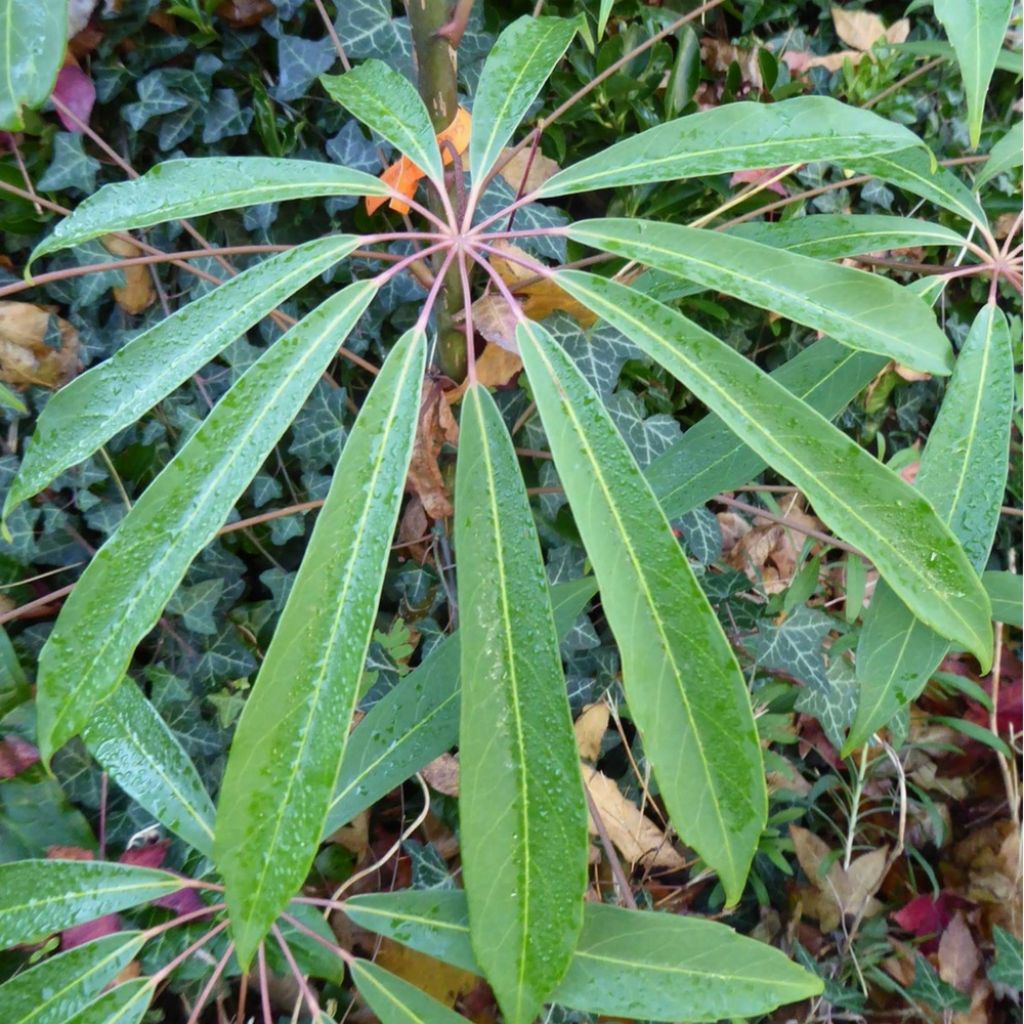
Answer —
795 646
70 166
299 61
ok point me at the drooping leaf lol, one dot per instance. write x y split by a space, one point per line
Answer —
395 1001
109 397
42 896
864 311
289 743
418 720
963 474
386 101
629 964
710 458
119 597
734 137
976 28
522 815
60 985
34 33
190 188
863 501
1004 591
133 743
685 690
1006 154
125 1004
518 65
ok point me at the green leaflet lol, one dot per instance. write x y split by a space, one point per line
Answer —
395 1001
42 896
289 742
10 400
734 137
522 814
963 474
126 1004
857 497
1004 591
419 719
638 965
387 102
132 742
111 396
1006 154
915 170
833 236
190 188
976 28
864 311
34 33
60 985
122 592
710 458
1006 60
685 690
520 62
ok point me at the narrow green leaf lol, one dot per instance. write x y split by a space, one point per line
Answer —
1004 591
1006 154
978 733
638 965
857 497
395 1001
60 985
1006 60
864 311
522 814
289 743
133 743
42 896
518 65
10 400
710 458
684 688
418 719
735 137
34 33
122 592
126 1004
603 14
388 103
834 236
191 188
111 396
976 28
963 474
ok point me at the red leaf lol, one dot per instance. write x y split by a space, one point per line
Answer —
149 856
16 755
75 90
83 933
184 901
755 177
927 915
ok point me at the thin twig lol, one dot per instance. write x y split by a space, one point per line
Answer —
621 882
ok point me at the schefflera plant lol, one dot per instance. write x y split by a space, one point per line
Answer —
496 687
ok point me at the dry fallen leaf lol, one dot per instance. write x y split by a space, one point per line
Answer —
436 427
355 836
862 29
537 170
245 13
958 955
495 320
495 367
138 292
635 836
539 298
445 983
442 774
414 531
590 728
36 347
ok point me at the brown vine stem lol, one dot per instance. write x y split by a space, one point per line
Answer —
621 882
896 86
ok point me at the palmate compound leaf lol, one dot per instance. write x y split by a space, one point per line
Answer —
864 311
120 596
963 474
522 814
734 137
133 743
95 406
288 747
191 188
33 35
418 720
42 896
863 501
520 62
685 690
638 965
61 985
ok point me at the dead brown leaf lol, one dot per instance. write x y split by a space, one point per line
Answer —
495 320
635 836
436 428
445 983
539 298
355 836
414 531
862 29
442 774
137 293
590 728
245 13
26 353
536 171
958 955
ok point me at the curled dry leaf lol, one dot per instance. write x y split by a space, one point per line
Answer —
36 346
436 428
539 298
524 174
137 293
414 531
590 728
635 836
495 320
442 774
